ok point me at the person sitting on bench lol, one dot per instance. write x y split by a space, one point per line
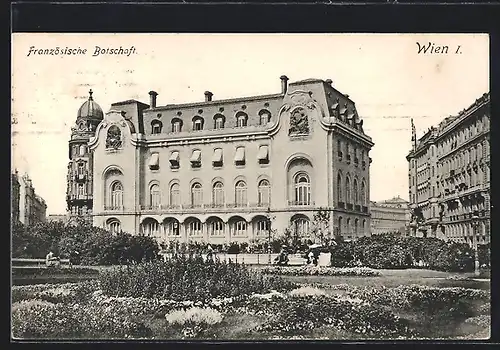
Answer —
52 260
282 258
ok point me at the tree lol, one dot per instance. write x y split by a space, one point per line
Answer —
321 226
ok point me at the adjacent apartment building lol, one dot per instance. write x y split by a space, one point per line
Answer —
226 170
449 177
26 206
390 216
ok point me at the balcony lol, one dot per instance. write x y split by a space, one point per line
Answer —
357 207
348 159
237 205
349 206
340 155
300 203
356 161
151 207
365 209
113 208
342 205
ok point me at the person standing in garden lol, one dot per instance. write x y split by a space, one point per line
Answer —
210 253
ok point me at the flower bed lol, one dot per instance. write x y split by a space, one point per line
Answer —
320 271
407 297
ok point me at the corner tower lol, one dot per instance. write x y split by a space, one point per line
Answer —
79 180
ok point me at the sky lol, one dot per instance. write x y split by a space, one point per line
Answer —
385 75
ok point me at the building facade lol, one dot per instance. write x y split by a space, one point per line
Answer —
449 176
227 170
79 178
27 207
392 215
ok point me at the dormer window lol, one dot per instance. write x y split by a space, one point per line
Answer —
241 120
197 123
219 121
264 117
176 125
156 127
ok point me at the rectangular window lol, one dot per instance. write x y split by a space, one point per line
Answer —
217 158
239 158
196 159
263 155
154 161
174 160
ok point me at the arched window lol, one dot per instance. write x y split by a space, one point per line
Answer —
479 151
176 125
340 226
116 195
219 121
156 127
363 193
262 227
264 193
218 194
216 227
339 188
150 228
114 226
172 227
348 228
196 195
83 150
356 225
302 189
264 117
175 195
154 196
348 190
356 197
364 227
241 119
240 228
241 194
81 168
194 227
301 226
81 190
197 123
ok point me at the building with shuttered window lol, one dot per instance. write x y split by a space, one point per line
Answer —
449 177
225 170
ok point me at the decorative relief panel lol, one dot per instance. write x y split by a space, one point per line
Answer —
114 137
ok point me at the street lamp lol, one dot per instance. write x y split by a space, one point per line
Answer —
475 223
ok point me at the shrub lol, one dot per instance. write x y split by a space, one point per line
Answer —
394 252
55 293
187 277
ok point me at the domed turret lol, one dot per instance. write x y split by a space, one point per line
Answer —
90 109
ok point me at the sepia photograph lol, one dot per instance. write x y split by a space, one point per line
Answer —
250 187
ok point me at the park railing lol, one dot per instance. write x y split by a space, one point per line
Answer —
26 262
251 258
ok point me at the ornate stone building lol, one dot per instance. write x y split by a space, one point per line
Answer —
79 179
392 215
223 170
27 207
449 176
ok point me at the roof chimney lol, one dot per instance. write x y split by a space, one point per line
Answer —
152 99
208 96
284 84
329 81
